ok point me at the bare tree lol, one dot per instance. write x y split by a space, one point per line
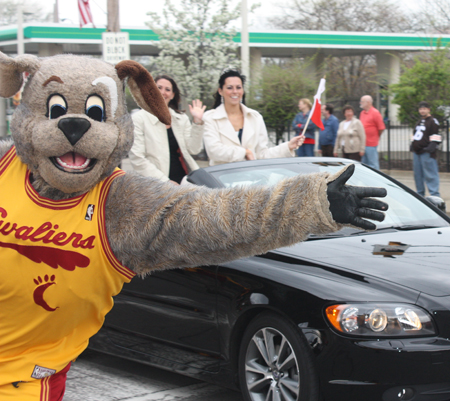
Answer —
350 77
436 15
346 15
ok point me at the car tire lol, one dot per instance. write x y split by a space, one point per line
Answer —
276 362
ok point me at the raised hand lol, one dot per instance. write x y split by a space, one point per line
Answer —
197 109
349 204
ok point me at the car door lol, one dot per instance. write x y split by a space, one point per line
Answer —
170 314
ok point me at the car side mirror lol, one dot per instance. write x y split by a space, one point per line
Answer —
438 202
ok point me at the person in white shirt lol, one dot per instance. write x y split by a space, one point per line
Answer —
234 132
161 151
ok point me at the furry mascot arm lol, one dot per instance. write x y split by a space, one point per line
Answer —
164 226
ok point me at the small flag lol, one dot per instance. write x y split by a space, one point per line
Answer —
316 112
85 13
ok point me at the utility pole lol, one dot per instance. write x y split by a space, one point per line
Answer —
20 39
116 44
56 12
113 16
245 52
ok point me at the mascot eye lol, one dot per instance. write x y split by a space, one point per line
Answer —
57 107
95 108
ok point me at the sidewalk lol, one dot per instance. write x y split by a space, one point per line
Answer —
407 178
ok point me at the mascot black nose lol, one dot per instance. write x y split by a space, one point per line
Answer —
74 128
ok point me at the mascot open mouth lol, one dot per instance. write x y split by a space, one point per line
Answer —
74 163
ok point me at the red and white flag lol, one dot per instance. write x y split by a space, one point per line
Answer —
85 13
316 112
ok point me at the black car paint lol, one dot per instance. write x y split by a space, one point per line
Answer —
191 320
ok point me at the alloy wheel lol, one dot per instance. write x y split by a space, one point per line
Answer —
271 367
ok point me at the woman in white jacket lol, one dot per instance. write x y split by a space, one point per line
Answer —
234 132
161 151
351 137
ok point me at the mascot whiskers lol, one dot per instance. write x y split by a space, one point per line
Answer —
74 228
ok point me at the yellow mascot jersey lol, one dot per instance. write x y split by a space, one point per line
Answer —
57 274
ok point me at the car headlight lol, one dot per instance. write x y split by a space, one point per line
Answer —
380 320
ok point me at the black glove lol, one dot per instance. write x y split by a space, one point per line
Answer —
348 203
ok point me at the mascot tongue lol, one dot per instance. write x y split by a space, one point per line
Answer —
73 159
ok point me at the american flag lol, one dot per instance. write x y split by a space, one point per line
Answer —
85 13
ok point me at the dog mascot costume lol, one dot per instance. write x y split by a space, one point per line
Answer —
74 228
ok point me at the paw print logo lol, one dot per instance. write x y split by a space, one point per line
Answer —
38 294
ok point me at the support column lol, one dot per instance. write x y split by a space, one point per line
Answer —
49 49
388 71
255 65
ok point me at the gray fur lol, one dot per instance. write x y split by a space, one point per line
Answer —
11 72
161 226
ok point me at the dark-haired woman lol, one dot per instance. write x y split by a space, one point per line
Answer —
161 151
351 137
234 132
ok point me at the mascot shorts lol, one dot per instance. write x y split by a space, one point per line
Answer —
50 388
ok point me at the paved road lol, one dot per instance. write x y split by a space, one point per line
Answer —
98 377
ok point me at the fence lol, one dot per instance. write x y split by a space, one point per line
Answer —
393 149
394 153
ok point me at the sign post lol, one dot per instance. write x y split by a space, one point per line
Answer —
116 47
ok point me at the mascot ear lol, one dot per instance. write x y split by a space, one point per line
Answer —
11 72
144 90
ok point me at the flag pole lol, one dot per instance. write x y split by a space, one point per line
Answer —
310 113
307 122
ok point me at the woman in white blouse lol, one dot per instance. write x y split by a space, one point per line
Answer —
161 151
234 132
351 137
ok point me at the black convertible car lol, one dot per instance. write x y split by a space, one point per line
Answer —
352 315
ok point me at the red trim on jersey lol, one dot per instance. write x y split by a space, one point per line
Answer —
49 203
7 158
54 386
5 162
125 271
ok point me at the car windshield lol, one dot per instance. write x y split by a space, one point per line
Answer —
405 210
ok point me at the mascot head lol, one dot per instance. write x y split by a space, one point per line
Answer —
72 128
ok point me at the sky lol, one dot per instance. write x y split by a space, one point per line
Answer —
133 12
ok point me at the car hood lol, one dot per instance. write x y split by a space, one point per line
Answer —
418 259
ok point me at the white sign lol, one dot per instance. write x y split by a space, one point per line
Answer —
115 47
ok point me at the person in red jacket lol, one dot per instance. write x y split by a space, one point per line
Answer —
373 126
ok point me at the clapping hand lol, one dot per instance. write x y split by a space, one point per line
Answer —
197 109
348 204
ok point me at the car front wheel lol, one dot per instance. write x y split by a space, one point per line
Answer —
275 362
